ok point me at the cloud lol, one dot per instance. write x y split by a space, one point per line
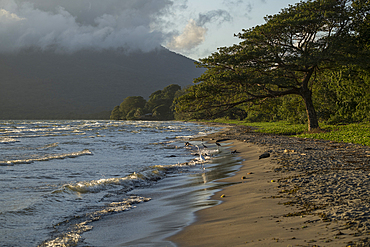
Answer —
240 7
195 31
192 36
6 16
70 25
213 16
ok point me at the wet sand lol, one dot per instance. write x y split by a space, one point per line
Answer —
279 200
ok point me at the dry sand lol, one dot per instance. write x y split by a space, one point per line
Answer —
254 213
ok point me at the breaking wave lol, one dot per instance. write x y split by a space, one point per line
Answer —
73 236
126 183
7 140
45 158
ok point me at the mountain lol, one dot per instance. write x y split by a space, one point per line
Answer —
86 84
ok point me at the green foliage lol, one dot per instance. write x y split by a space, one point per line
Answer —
162 112
351 133
340 96
343 96
285 56
116 113
289 108
158 107
160 102
129 106
358 133
278 128
352 96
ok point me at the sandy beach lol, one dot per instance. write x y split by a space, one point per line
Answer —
306 193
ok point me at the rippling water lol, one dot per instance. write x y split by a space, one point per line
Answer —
56 177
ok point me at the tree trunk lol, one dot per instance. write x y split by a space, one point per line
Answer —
313 122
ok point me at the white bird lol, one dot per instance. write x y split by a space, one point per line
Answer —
201 158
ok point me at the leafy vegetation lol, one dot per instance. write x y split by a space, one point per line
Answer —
358 133
351 133
341 97
314 53
158 107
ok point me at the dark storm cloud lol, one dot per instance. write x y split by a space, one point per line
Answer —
70 25
138 12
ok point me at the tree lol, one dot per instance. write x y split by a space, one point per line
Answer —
346 93
284 56
160 105
130 105
170 91
160 102
116 114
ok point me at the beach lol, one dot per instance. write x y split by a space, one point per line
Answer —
306 193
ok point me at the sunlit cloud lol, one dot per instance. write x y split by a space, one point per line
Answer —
192 36
6 16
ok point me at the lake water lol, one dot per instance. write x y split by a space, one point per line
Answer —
60 179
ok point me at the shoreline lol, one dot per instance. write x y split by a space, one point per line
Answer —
173 201
305 193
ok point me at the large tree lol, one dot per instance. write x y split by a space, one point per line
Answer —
284 56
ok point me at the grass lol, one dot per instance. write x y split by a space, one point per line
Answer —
358 133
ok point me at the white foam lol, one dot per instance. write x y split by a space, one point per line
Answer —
45 158
127 182
185 137
72 237
144 178
7 140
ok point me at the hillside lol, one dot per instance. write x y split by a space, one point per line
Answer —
47 85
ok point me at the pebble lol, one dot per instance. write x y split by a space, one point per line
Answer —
333 178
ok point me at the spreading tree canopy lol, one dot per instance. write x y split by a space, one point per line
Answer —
284 56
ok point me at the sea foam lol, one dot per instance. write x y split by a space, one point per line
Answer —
45 158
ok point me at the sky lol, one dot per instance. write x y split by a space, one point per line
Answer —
193 28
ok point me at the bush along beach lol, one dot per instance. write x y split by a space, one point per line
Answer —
355 133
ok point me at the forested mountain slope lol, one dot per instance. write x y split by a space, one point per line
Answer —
48 85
